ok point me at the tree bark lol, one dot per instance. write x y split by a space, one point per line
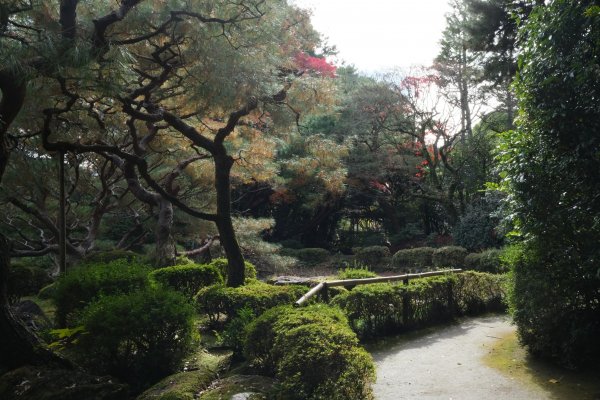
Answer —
235 259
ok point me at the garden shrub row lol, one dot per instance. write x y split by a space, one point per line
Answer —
220 300
380 309
372 255
427 257
312 352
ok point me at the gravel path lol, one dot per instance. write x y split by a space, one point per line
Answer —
447 364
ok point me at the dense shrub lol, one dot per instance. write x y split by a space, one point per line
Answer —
221 265
486 261
258 296
189 278
419 257
86 283
138 337
309 255
355 273
372 255
312 352
385 308
477 229
24 281
449 257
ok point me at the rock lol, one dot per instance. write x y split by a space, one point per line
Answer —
293 280
240 387
45 383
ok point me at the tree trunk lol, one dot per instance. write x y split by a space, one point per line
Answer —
235 259
165 245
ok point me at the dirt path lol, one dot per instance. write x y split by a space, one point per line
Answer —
447 363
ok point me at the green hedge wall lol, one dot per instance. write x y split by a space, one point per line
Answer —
313 353
380 309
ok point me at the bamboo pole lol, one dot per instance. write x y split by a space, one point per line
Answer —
366 281
62 218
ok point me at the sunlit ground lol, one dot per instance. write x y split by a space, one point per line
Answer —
511 359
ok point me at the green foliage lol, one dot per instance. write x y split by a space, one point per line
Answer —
312 352
477 229
486 261
218 300
189 278
234 334
355 273
372 255
221 265
24 281
380 309
550 166
86 283
309 255
138 337
419 257
449 257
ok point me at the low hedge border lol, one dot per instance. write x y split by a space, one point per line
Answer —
312 352
382 309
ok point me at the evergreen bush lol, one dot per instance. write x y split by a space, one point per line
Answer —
372 255
218 300
221 265
138 337
449 257
419 257
188 278
485 261
355 273
88 282
312 352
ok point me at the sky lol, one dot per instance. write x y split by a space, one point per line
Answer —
379 35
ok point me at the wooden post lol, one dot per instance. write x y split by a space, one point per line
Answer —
405 305
62 218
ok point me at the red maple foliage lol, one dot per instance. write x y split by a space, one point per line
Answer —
316 65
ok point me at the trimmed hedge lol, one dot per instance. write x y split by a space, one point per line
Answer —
486 261
449 257
380 309
86 283
221 265
257 296
372 255
189 278
138 337
313 353
419 257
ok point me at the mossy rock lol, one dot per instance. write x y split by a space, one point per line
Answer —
39 383
180 386
201 369
247 387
